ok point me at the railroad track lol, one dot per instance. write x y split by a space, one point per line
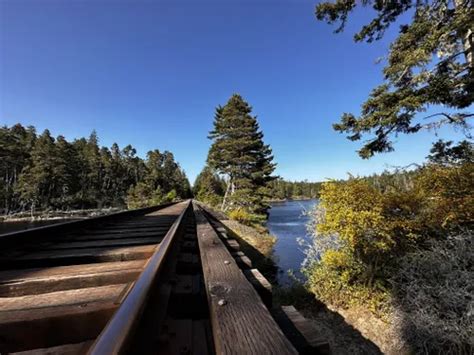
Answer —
137 282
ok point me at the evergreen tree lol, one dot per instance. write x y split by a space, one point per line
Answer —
431 62
209 187
16 144
40 172
93 169
38 182
163 181
443 153
65 171
239 153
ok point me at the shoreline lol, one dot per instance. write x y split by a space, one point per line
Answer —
292 199
56 215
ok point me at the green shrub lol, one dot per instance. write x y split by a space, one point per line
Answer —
141 195
241 215
210 199
170 196
361 233
336 282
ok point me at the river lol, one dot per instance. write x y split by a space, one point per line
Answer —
287 222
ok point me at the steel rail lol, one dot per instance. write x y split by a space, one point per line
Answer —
118 332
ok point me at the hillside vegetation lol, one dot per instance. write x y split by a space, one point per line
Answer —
401 245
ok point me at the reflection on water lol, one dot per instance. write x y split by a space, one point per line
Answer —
8 227
287 222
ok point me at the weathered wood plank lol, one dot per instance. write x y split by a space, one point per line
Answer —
62 298
232 244
102 243
243 261
94 237
47 327
143 231
304 327
36 281
67 349
184 336
52 309
187 298
18 275
261 284
77 256
300 331
240 321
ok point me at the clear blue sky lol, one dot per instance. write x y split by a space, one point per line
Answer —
150 73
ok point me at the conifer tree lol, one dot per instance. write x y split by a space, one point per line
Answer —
16 144
38 182
65 171
239 153
43 173
429 64
209 187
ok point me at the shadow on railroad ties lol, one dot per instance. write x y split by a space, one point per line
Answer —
264 263
41 250
342 337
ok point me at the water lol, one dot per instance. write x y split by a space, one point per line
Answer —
287 222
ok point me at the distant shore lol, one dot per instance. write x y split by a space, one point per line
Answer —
291 199
57 215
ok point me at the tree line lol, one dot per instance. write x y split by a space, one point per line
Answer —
281 189
40 172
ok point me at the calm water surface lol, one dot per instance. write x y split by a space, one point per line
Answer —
287 222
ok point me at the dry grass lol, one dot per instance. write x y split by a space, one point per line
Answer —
434 297
259 239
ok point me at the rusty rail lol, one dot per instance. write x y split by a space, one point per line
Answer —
119 331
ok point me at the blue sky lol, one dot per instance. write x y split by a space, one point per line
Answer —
150 74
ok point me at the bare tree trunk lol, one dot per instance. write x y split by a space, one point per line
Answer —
467 38
469 49
225 195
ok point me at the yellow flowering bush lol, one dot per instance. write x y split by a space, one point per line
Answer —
361 232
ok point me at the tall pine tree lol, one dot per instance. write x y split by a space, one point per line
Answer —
239 153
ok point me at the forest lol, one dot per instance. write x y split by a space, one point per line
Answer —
40 172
